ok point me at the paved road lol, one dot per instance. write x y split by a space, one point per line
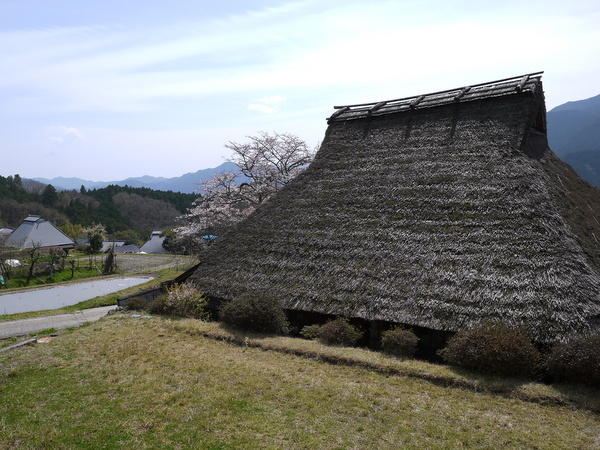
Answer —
24 327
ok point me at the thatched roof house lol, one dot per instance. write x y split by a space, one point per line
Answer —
437 211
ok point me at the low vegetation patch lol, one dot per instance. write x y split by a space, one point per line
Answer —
8 342
137 304
494 349
19 279
258 313
339 332
310 331
182 300
577 360
399 342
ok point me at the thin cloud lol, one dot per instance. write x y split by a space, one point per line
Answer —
122 69
263 108
267 105
272 100
62 135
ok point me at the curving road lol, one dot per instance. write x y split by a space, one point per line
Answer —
23 327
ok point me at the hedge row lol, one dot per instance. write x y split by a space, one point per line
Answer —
491 348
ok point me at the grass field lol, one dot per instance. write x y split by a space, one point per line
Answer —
128 382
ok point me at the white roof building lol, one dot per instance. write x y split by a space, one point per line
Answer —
154 245
35 231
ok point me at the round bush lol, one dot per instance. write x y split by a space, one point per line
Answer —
339 332
262 314
493 349
577 360
310 331
399 342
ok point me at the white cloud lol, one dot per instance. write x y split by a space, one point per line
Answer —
267 105
272 100
387 44
62 135
262 108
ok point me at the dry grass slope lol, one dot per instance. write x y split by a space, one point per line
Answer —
157 383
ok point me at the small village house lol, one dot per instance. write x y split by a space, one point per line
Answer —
154 244
37 232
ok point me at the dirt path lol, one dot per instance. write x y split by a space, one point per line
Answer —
135 262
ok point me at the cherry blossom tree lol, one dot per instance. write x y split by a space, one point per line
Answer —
222 202
265 164
269 161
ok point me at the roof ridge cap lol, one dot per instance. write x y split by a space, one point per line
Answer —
514 85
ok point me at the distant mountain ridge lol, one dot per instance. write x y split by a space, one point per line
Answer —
186 183
574 135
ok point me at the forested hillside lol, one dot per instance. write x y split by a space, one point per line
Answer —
126 212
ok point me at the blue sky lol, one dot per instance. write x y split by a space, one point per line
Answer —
109 90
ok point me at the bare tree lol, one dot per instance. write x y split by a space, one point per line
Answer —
149 213
56 254
4 268
34 253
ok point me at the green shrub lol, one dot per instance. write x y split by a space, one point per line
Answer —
399 342
339 332
262 314
493 349
310 331
577 360
182 300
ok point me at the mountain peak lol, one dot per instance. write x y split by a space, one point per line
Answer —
591 105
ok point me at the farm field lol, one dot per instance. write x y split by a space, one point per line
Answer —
128 382
136 263
162 267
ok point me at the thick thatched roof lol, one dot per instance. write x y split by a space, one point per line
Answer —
440 213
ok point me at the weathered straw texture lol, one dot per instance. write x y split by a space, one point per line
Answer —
440 217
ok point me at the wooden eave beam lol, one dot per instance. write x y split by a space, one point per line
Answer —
339 112
416 101
462 93
519 87
377 106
